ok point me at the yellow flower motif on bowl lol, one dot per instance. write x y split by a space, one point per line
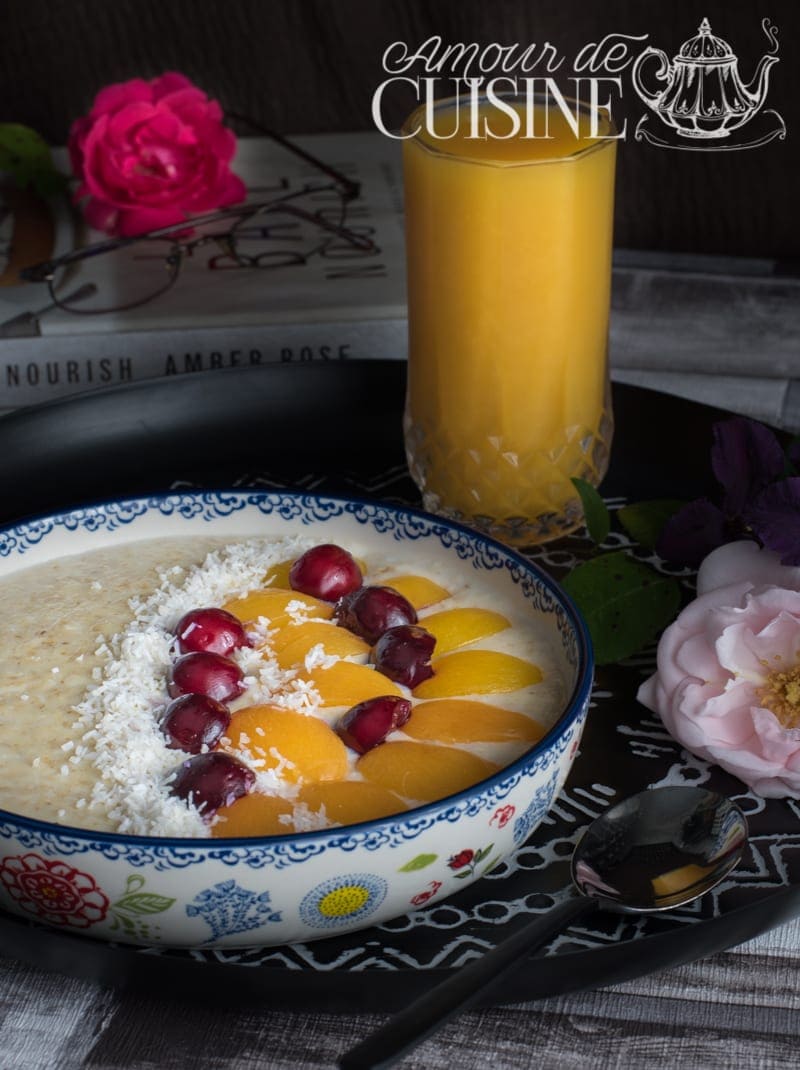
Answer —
343 900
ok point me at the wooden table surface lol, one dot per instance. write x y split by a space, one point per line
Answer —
739 1008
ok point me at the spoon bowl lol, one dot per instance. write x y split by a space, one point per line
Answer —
654 851
659 849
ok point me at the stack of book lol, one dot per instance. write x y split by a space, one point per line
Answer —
342 303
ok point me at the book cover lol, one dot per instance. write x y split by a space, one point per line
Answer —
331 300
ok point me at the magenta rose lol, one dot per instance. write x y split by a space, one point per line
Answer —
727 684
150 154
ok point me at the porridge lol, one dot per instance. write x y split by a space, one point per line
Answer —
313 716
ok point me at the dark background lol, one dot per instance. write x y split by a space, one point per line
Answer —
304 66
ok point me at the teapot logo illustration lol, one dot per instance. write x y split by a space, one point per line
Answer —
703 102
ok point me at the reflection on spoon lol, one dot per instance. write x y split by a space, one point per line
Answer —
654 851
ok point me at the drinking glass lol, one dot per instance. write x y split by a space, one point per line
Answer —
509 275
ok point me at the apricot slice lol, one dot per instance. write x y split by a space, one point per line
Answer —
255 815
419 590
278 575
460 720
272 603
423 771
453 628
303 747
347 802
477 672
294 641
347 683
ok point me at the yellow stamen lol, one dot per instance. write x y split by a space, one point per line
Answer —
781 695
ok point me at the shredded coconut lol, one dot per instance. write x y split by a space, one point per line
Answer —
317 658
118 717
306 820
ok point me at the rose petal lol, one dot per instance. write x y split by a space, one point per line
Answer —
744 560
102 216
135 221
170 82
119 94
697 657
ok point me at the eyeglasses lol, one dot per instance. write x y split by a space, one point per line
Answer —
283 230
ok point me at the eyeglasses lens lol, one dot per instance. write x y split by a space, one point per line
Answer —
122 278
290 231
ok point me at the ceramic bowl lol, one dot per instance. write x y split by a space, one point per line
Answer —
296 887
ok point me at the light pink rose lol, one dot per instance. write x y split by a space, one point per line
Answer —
717 686
150 154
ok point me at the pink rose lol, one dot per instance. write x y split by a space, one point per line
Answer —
150 154
727 684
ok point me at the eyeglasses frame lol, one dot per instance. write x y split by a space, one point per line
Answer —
347 188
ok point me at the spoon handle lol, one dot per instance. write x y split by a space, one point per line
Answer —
432 1009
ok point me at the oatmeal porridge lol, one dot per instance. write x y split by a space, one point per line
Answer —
330 722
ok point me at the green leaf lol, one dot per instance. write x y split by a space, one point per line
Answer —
595 513
143 903
420 862
481 853
26 157
625 603
644 521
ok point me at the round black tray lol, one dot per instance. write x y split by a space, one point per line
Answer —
336 429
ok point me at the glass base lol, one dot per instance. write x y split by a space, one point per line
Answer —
521 500
516 531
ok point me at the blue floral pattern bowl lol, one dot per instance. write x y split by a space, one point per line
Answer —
297 887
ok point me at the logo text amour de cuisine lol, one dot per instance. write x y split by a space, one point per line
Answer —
701 103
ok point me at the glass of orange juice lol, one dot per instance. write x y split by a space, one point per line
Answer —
508 243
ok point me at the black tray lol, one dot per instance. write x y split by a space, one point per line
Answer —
336 429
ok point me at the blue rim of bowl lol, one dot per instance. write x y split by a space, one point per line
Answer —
572 709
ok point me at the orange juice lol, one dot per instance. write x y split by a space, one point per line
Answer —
509 274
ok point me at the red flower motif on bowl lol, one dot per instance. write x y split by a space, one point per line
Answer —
502 815
53 891
463 858
428 893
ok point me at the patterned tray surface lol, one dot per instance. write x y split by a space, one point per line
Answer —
624 748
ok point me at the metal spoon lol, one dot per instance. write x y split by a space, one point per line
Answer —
657 850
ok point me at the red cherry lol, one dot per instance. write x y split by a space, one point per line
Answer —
404 654
210 629
327 572
371 611
194 723
369 723
212 780
205 673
